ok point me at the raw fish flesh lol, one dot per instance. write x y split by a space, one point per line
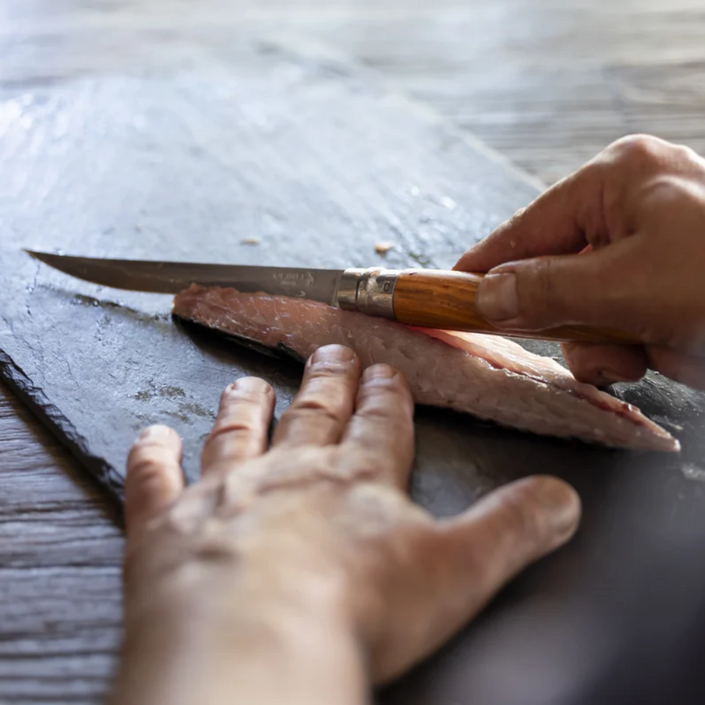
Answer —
487 376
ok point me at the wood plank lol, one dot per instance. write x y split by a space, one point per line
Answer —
60 556
546 82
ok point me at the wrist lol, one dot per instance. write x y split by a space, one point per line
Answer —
278 636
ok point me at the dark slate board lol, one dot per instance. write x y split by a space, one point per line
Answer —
319 162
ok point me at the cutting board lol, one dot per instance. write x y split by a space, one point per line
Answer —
299 158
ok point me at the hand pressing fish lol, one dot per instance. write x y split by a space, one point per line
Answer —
487 376
401 318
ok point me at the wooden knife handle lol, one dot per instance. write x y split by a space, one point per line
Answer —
446 300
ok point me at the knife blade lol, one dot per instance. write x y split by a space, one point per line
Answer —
172 277
424 298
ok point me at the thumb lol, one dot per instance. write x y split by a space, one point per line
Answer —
492 541
544 292
508 529
471 556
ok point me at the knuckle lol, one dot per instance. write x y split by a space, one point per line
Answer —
666 190
328 368
638 149
539 302
519 515
231 428
315 409
388 415
686 152
144 465
685 159
646 155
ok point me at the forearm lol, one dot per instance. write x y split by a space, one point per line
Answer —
299 652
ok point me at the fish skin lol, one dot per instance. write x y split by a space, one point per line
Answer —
487 376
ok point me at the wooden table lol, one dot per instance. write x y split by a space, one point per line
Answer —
546 83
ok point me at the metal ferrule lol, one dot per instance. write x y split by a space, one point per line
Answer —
369 291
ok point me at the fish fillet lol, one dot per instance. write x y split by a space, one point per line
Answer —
488 376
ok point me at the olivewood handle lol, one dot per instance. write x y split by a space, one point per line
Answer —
446 300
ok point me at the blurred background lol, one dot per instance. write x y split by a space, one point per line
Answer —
547 83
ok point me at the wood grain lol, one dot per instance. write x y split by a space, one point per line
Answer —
446 300
547 83
60 554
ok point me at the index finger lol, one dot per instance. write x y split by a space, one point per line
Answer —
563 220
598 204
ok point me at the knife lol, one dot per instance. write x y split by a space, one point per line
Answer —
426 298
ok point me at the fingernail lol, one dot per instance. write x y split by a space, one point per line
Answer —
153 432
378 372
250 384
332 353
497 298
561 502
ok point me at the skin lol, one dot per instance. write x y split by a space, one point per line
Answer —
636 215
303 573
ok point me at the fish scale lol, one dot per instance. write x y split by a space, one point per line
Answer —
487 376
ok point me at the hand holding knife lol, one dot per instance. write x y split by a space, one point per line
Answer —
425 298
